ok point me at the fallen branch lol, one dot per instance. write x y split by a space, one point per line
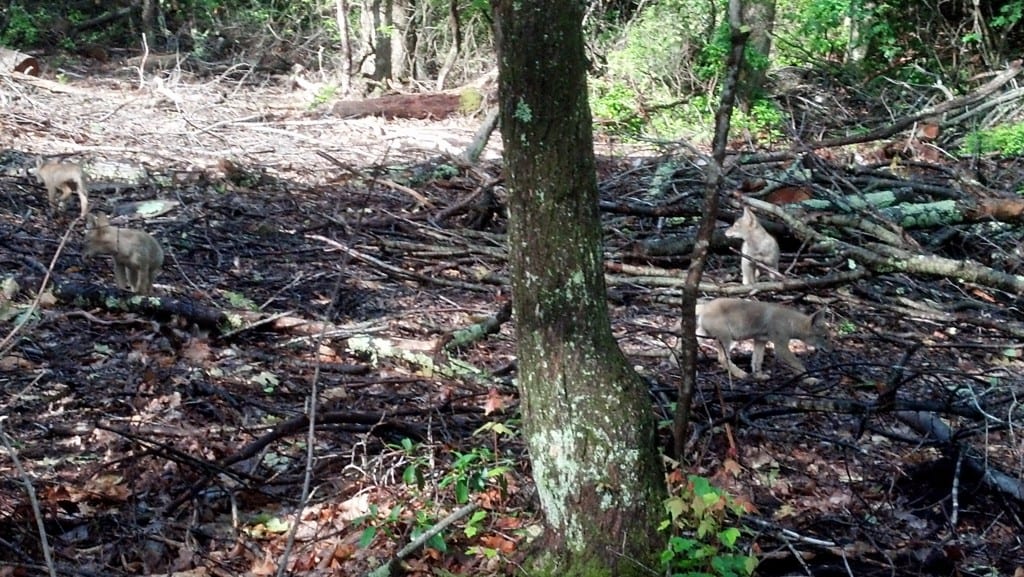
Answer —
932 426
386 569
88 295
885 259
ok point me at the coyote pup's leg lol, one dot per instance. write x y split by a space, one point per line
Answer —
121 275
757 359
726 362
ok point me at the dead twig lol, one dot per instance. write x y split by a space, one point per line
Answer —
44 542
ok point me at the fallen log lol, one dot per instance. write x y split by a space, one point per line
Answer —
897 257
420 106
14 61
88 295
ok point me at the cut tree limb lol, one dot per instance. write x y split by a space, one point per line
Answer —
422 106
962 103
483 134
925 214
110 298
885 259
14 61
932 425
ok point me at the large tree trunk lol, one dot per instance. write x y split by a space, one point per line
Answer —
401 68
375 31
759 17
587 417
341 15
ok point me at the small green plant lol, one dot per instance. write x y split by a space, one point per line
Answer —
1006 140
413 473
444 172
475 471
614 105
324 95
240 301
471 473
423 523
704 543
763 121
847 327
375 525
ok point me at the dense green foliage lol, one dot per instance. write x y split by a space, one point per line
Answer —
656 66
704 540
665 63
432 486
1006 140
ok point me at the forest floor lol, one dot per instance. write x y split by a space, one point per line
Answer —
307 252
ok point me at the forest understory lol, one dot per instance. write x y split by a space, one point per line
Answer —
169 436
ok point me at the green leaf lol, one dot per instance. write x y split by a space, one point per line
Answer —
276 525
464 461
409 475
437 542
496 472
267 380
367 537
461 492
729 537
498 428
395 514
675 507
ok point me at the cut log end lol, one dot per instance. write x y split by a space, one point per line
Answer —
14 61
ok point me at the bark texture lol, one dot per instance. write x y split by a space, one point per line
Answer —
759 17
587 417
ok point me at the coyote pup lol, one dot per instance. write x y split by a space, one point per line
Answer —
66 177
729 320
137 255
758 245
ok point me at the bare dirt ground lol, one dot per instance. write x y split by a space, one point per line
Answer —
171 437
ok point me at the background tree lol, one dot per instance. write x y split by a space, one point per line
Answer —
759 18
376 22
587 417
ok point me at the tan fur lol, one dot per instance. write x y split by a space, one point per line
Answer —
66 177
137 255
730 320
758 246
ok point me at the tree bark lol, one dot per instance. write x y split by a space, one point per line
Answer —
759 17
148 17
375 23
587 417
14 61
434 106
344 31
401 66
